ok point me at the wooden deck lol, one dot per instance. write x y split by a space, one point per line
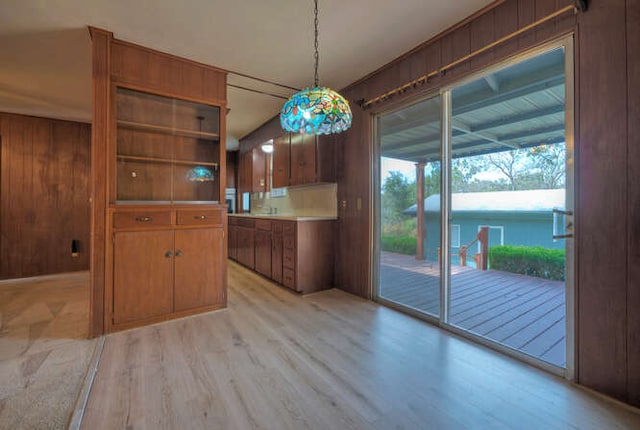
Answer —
521 312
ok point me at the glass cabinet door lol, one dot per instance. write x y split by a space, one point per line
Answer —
167 151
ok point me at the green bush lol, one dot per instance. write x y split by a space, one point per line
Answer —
531 261
400 244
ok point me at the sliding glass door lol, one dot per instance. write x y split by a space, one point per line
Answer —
475 206
409 207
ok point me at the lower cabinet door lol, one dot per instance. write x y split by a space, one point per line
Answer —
199 268
142 275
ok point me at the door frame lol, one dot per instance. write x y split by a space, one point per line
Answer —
566 42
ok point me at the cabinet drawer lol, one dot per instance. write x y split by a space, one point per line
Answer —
276 227
244 222
289 278
289 228
288 258
141 219
233 220
200 217
263 224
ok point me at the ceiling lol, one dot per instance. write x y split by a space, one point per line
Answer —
46 52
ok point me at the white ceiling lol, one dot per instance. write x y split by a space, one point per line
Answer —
45 51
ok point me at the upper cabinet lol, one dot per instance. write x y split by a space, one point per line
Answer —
252 171
300 159
167 149
280 176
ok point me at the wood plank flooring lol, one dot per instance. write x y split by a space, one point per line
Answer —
44 351
275 360
521 312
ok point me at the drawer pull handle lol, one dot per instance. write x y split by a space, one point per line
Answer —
179 253
144 219
200 217
168 254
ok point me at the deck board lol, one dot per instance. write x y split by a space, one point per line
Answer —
521 312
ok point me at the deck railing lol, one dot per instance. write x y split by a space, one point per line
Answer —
481 258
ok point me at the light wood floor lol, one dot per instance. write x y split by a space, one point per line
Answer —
274 360
44 351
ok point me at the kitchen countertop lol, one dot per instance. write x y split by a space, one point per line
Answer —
285 217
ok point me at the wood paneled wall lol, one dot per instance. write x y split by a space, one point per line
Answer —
44 196
633 199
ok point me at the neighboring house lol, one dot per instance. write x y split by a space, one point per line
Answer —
514 218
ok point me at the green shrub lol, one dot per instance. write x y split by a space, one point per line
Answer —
400 244
531 261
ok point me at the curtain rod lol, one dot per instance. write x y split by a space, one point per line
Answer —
364 104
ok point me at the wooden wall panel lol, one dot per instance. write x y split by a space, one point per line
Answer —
633 122
44 199
602 199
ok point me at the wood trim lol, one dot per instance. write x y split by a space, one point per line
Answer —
120 83
101 42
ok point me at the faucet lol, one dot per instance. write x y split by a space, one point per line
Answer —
266 209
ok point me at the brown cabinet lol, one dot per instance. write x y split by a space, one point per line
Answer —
303 159
166 263
245 241
142 275
263 247
280 173
252 171
198 268
233 238
296 254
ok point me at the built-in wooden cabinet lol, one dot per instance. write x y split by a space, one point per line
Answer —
263 247
158 172
295 254
166 262
245 243
280 175
252 174
300 159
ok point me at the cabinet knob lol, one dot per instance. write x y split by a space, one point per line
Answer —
144 219
179 253
168 254
200 217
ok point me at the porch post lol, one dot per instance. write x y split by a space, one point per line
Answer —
420 230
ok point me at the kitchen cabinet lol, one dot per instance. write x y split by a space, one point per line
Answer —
166 263
276 251
303 159
245 242
280 174
263 247
233 238
252 171
295 254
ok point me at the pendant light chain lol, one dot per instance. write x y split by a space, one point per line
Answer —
316 54
317 110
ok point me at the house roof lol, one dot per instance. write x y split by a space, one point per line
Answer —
497 201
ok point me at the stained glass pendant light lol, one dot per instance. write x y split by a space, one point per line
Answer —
317 110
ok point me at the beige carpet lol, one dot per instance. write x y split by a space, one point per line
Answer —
44 351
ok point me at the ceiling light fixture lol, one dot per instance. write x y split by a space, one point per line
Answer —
317 110
267 146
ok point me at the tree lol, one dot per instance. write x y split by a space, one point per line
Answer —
397 195
550 163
